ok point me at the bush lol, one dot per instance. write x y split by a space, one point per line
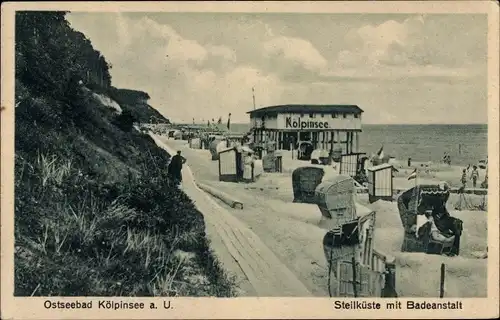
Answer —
77 238
125 121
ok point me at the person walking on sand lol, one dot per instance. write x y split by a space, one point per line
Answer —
247 165
464 178
474 176
175 167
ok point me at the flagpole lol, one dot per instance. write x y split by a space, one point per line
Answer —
253 97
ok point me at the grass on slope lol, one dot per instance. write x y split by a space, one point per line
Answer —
95 213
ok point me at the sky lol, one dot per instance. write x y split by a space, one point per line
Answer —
400 69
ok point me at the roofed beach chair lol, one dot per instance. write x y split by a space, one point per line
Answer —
304 183
428 227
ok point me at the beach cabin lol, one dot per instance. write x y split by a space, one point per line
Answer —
195 143
273 162
351 164
308 127
380 182
230 165
234 168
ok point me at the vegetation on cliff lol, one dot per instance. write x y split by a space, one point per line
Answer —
95 213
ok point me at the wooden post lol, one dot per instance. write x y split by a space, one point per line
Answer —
351 141
325 140
347 142
357 141
253 177
390 279
441 282
332 139
354 280
336 138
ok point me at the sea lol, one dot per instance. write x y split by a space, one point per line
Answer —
466 144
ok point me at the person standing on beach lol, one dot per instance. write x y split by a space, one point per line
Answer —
175 167
447 158
484 184
464 178
247 167
474 176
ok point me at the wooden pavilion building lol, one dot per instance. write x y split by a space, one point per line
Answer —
325 127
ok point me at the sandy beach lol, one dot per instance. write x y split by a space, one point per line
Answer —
428 172
292 231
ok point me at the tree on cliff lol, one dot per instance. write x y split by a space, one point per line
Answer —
45 40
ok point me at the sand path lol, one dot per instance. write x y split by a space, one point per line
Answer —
289 230
257 269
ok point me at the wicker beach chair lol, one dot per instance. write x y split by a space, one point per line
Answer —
431 238
304 183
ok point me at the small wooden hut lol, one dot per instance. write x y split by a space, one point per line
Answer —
380 182
232 165
273 162
350 164
195 143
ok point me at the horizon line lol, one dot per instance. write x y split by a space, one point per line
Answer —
382 124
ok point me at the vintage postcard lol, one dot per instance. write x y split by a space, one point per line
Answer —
250 160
